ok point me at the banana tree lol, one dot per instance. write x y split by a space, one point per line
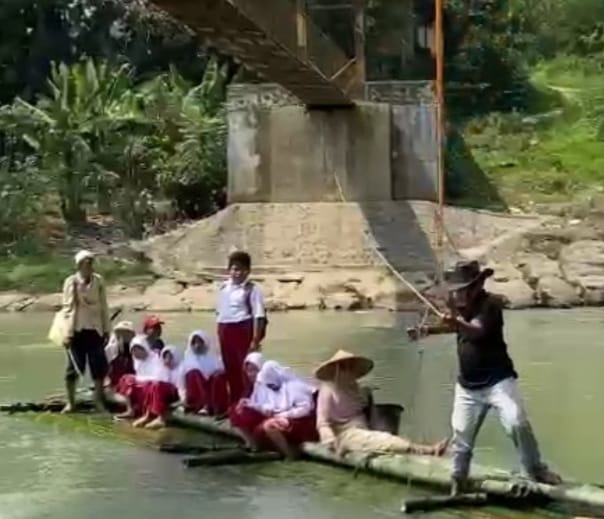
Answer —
70 125
192 129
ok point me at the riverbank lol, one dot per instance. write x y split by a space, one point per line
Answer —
329 256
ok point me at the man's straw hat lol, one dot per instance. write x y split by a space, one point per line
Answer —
83 255
360 365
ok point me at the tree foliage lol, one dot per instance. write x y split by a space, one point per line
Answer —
100 140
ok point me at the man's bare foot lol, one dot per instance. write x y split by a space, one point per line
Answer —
158 423
458 486
549 477
68 409
142 421
203 412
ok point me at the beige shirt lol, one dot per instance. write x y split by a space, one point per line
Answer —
338 410
85 305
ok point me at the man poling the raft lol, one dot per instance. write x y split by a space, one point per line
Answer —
487 378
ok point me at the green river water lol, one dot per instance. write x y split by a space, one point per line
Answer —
82 467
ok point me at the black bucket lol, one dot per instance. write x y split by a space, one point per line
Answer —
385 417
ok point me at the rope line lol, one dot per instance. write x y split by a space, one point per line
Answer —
375 248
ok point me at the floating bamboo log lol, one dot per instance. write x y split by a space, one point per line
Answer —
50 406
423 470
184 448
431 503
231 457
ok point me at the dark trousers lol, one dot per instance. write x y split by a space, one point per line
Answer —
87 347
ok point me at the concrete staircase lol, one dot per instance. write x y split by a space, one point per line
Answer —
275 40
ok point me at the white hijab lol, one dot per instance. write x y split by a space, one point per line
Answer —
170 375
146 369
208 363
112 350
255 358
291 389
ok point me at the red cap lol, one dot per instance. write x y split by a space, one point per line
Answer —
151 322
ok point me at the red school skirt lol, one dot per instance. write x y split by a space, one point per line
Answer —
296 431
119 367
134 391
211 393
159 397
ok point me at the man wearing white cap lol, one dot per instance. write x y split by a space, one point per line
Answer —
88 327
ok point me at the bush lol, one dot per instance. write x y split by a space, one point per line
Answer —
100 138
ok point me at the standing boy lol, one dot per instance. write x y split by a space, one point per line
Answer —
241 320
487 378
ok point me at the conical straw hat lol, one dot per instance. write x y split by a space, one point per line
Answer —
360 365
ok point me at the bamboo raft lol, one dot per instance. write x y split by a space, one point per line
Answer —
408 468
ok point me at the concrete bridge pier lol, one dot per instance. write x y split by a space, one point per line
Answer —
281 151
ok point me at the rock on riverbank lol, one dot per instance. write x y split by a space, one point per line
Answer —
319 256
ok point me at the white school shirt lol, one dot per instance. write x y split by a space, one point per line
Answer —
232 306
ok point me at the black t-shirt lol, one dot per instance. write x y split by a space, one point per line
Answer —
484 359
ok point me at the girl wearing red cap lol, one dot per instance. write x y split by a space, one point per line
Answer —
152 329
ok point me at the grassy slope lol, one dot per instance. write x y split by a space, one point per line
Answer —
554 154
45 274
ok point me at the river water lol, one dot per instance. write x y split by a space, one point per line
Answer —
56 468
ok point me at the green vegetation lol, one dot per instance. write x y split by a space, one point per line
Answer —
45 274
112 108
552 152
542 139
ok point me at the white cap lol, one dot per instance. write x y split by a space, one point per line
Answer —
83 255
126 326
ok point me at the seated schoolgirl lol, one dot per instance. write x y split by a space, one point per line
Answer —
146 364
251 367
205 384
163 391
118 353
279 414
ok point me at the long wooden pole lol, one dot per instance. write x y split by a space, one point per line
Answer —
359 46
440 108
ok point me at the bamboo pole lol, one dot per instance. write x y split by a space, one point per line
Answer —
440 102
424 470
359 46
432 503
301 28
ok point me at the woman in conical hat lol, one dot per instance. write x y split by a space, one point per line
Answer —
341 420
